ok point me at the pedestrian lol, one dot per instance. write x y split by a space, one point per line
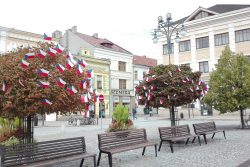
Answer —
134 113
150 112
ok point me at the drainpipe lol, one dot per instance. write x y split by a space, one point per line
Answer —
110 102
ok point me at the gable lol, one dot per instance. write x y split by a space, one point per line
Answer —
200 13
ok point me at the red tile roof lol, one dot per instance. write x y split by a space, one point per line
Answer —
102 43
143 60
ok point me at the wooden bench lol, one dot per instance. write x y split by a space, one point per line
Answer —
175 133
206 128
116 142
45 153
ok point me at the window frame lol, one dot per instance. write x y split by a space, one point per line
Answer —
122 84
204 67
136 75
99 81
203 42
221 39
242 35
186 46
165 49
121 66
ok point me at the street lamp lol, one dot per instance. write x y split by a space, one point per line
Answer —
167 28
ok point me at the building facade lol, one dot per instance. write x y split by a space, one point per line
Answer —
209 31
141 65
121 70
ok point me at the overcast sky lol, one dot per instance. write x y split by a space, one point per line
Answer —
127 23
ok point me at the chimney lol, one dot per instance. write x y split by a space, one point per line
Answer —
74 29
57 34
95 35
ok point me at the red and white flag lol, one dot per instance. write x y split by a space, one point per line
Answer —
84 98
60 67
82 62
59 48
61 82
5 86
29 55
69 64
90 73
79 70
72 90
52 52
89 96
161 101
43 72
43 84
46 37
178 69
83 84
69 55
24 64
41 54
46 102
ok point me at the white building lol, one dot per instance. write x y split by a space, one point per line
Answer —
141 65
121 70
209 31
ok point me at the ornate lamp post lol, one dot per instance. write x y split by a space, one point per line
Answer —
167 28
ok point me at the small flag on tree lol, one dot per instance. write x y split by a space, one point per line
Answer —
52 52
82 62
89 96
84 98
69 64
5 86
170 74
43 84
161 101
46 37
41 54
29 55
71 90
59 48
79 70
24 64
60 67
61 82
83 84
46 102
43 72
90 73
178 69
69 55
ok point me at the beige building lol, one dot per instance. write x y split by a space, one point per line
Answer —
209 31
11 38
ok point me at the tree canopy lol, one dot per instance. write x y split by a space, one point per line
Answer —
34 80
170 85
230 83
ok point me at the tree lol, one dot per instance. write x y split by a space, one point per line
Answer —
230 84
34 80
170 86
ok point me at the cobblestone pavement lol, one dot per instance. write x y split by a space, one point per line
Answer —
219 152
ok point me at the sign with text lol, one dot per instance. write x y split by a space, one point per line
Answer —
123 92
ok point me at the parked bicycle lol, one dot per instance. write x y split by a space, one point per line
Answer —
88 121
72 121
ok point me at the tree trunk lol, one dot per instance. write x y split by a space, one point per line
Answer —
242 119
172 115
29 130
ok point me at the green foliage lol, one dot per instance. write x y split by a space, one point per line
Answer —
8 127
11 141
121 119
169 85
230 83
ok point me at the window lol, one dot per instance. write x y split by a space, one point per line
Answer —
165 49
221 39
202 14
184 46
122 83
242 35
202 42
122 66
203 67
136 75
99 81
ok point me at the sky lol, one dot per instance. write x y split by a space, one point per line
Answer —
127 23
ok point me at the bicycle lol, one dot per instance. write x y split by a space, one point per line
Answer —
72 121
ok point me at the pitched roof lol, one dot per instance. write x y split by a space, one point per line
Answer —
102 43
223 8
219 8
143 60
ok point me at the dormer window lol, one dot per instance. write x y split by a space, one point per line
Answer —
107 44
